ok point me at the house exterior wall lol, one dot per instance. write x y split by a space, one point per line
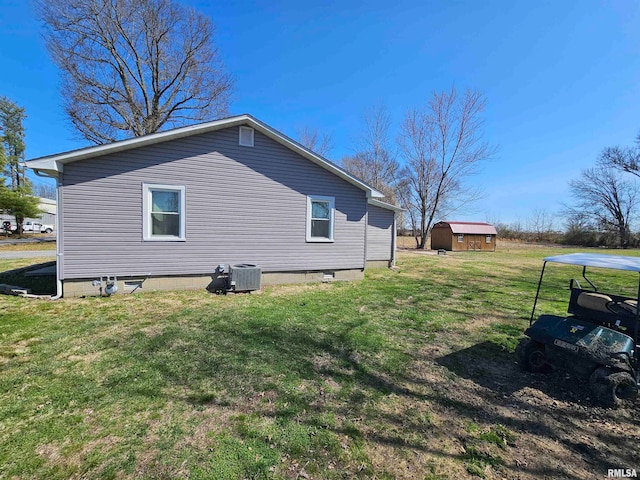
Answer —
243 205
380 234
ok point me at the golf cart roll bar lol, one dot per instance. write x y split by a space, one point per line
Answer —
535 301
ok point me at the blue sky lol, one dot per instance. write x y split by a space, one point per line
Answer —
562 78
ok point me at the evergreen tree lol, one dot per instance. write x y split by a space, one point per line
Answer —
12 140
15 189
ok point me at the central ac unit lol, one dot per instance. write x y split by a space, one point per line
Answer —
245 277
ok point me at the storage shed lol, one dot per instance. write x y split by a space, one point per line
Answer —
460 236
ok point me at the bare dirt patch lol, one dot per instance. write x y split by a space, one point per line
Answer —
284 290
553 429
54 456
86 358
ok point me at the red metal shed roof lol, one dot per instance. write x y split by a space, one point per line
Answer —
478 228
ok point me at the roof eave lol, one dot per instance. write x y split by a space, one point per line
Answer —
53 164
49 162
387 206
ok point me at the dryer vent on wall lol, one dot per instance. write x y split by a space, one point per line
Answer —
245 277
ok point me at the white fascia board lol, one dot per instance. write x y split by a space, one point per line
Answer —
53 164
387 206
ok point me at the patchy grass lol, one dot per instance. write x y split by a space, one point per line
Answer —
7 264
407 374
21 247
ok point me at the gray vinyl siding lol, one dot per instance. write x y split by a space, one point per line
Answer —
379 233
243 205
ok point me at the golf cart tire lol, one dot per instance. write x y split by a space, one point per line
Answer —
611 388
531 356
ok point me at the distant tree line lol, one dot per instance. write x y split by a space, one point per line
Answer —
440 146
574 234
603 210
605 201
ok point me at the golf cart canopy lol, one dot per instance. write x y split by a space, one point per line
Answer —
616 262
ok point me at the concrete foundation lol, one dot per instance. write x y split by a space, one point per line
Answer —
85 287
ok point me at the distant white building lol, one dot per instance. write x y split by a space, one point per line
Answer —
48 217
48 206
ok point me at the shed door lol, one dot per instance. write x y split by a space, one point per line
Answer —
474 243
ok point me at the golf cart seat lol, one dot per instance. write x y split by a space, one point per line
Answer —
594 301
630 306
613 311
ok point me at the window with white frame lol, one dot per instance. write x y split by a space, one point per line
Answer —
245 137
461 238
488 239
320 218
164 212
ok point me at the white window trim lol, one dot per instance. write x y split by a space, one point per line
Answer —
246 129
460 237
146 213
487 239
332 207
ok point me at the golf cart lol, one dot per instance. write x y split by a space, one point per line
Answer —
597 340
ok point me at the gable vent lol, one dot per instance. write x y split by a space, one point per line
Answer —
246 136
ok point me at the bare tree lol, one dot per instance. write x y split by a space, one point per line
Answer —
579 229
623 158
132 67
402 191
375 160
541 225
45 190
322 144
442 146
602 195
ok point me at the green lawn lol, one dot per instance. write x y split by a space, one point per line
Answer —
407 374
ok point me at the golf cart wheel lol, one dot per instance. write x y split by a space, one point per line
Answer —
532 357
611 388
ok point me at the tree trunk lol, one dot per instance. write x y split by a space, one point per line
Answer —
19 221
423 233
